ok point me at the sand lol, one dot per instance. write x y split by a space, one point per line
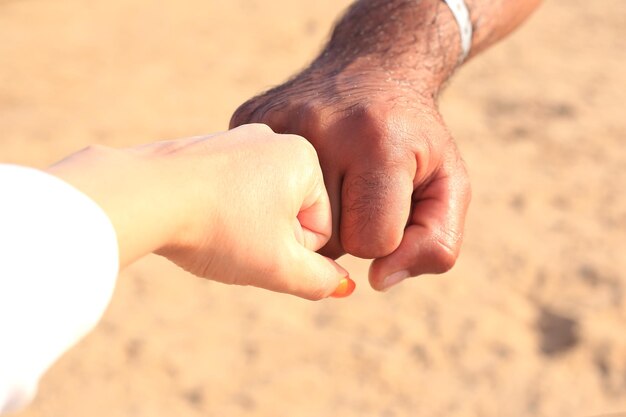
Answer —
531 321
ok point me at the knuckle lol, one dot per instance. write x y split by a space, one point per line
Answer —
387 136
307 148
241 115
378 127
444 255
251 111
301 148
309 117
260 129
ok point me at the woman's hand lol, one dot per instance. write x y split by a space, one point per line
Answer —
245 207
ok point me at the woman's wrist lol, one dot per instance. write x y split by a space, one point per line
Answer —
133 188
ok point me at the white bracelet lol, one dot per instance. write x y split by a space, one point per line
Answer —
462 16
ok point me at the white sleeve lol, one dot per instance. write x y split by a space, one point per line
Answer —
58 267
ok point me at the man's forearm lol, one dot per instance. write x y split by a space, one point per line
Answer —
416 41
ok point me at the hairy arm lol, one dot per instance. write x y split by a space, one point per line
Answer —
416 41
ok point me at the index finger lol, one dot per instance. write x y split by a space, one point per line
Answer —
433 238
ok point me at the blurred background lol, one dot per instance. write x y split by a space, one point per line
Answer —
532 320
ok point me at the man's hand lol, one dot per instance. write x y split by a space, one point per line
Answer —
398 186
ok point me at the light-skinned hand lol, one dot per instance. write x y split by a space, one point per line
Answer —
245 207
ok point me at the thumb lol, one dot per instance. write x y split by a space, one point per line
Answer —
432 241
314 277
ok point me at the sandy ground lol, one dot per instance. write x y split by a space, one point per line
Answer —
531 322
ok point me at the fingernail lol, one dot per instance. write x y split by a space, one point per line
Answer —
395 278
345 288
